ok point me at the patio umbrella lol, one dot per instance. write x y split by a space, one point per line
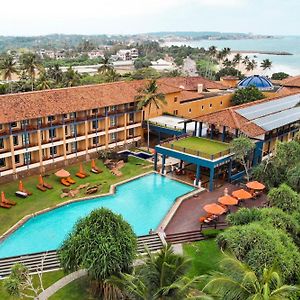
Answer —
93 165
228 200
255 185
214 209
242 194
81 169
62 173
21 186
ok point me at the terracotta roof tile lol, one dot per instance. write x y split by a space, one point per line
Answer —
291 81
22 106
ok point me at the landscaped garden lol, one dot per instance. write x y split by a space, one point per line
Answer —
40 200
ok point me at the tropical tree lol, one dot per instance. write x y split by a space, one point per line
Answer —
55 73
111 76
242 147
71 78
251 65
293 178
279 76
245 95
148 97
43 82
30 63
8 68
227 63
237 281
161 276
106 66
104 244
237 59
245 60
266 64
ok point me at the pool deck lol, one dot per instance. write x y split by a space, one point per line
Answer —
186 217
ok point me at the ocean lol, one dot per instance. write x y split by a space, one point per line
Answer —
285 63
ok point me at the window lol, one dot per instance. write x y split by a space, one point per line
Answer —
202 107
73 115
25 139
221 103
74 146
95 111
66 130
65 116
52 133
2 162
131 132
24 123
53 150
1 126
95 124
73 130
131 117
51 118
96 140
16 140
190 110
13 124
113 136
175 112
17 159
39 122
175 99
27 158
113 108
1 143
210 105
67 147
113 121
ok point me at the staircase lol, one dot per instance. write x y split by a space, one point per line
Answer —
50 260
185 237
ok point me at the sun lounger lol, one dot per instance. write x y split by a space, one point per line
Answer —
65 182
21 194
3 205
70 180
9 202
47 186
80 175
41 188
27 192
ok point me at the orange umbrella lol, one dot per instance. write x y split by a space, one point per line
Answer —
228 200
21 187
241 194
214 209
255 185
62 173
41 181
93 165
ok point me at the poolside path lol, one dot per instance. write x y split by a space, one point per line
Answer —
187 216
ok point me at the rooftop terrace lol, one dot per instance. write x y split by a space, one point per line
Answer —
202 147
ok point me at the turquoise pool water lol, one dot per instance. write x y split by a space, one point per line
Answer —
143 202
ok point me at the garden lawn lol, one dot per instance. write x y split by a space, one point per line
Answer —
202 145
48 279
40 200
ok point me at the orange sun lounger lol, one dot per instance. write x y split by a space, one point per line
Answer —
81 173
70 180
6 201
3 205
65 182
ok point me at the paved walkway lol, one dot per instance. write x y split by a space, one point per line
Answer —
187 216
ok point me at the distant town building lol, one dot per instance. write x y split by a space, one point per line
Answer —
161 65
127 54
96 54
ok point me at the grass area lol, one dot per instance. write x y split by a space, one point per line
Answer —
201 144
205 257
48 279
40 200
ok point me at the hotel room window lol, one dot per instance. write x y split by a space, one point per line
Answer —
65 116
13 124
113 136
96 140
1 143
175 99
73 115
1 126
25 139
16 140
94 111
2 162
39 122
73 129
131 132
51 118
17 159
131 118
113 121
27 158
113 108
52 133
95 124
53 150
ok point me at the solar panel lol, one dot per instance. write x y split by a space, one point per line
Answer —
263 109
279 119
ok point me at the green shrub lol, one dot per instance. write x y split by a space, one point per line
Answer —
246 95
261 247
211 233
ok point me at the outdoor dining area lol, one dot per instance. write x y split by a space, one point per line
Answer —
226 203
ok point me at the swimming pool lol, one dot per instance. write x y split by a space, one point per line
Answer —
143 202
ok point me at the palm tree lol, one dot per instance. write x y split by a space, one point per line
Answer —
111 76
8 68
237 60
226 52
266 64
246 60
148 97
71 78
251 65
227 63
161 276
43 82
212 53
55 73
106 66
30 62
238 282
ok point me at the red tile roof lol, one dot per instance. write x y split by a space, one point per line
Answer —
30 105
291 82
191 83
188 95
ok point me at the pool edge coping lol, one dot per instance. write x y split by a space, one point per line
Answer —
112 191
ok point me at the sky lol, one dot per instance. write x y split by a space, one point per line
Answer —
36 17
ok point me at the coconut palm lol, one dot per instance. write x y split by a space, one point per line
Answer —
226 52
246 60
212 53
30 62
266 64
111 76
227 63
251 65
8 68
106 66
71 78
148 97
238 282
237 60
55 73
161 276
43 82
